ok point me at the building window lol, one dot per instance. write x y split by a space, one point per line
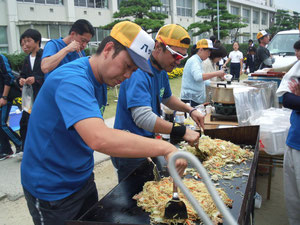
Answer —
54 32
3 40
80 3
246 15
254 36
23 28
101 34
53 2
92 3
264 18
246 37
255 17
165 8
64 30
201 6
184 7
51 31
235 10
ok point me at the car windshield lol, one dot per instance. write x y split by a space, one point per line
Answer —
282 44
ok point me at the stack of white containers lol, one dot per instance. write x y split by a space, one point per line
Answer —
274 126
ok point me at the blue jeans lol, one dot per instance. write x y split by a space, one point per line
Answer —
70 208
6 133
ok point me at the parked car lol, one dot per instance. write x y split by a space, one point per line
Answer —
281 47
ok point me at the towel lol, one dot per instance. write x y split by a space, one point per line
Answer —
294 73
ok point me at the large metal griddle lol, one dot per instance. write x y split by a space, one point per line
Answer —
118 207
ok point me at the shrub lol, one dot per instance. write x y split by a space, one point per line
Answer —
16 60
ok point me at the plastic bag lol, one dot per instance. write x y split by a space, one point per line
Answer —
27 98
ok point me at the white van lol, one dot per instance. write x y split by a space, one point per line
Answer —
281 47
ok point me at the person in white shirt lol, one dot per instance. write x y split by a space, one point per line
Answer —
236 58
210 64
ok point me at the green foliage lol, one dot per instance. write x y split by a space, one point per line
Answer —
284 21
90 51
227 21
140 11
16 60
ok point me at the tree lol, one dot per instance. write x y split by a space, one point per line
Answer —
284 21
139 11
227 21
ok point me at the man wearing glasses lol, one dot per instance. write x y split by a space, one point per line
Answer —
138 109
63 50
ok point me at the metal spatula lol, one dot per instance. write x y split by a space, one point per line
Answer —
175 208
156 174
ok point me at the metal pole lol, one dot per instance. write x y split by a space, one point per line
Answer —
218 19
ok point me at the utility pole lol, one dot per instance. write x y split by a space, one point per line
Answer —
218 15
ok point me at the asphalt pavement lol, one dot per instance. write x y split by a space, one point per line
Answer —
10 180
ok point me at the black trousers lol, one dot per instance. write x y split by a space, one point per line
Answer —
23 126
235 70
69 208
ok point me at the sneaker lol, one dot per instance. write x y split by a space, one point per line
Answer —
10 155
3 156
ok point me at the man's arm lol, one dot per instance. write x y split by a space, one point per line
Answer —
3 99
291 101
51 62
146 119
119 143
207 76
198 75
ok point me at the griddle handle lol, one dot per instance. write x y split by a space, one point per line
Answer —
221 84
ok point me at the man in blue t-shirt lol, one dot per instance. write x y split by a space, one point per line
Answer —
66 126
290 90
138 109
63 50
6 133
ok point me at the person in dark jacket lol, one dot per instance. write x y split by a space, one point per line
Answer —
31 73
6 133
251 59
264 57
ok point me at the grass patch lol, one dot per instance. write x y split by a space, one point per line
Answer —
110 109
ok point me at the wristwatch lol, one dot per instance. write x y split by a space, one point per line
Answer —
4 97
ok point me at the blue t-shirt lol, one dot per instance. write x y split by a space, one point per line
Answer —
54 46
56 161
141 89
293 139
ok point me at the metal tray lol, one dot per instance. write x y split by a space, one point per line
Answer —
118 207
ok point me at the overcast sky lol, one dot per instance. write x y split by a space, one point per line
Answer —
288 4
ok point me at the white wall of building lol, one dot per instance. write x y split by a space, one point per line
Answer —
17 16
